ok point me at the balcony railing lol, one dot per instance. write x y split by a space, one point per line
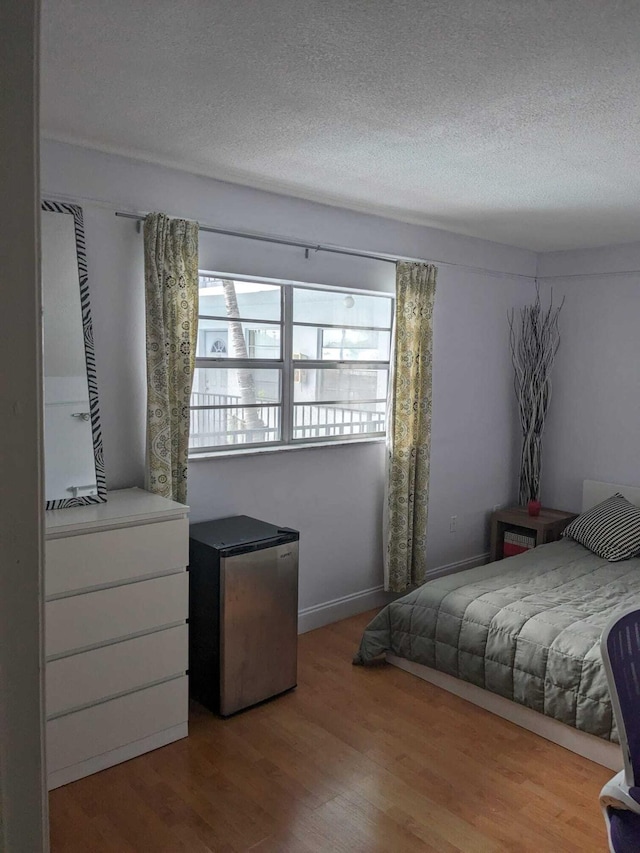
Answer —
222 427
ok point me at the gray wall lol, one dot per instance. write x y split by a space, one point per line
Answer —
333 495
593 431
23 804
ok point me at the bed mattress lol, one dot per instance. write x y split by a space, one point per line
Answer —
527 628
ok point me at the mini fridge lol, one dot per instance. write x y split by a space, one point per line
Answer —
243 612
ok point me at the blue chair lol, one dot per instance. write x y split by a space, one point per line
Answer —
620 798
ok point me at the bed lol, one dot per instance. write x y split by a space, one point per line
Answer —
520 637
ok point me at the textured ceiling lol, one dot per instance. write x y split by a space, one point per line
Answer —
515 121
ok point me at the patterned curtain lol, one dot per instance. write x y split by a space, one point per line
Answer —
171 289
409 429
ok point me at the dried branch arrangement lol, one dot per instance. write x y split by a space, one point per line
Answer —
534 341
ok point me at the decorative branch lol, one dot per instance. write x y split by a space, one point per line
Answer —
534 342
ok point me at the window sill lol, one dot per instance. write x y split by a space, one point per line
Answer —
282 448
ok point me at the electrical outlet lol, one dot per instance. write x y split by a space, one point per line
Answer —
496 507
453 524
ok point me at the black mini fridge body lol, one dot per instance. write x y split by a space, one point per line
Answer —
243 612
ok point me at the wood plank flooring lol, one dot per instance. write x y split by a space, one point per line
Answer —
360 760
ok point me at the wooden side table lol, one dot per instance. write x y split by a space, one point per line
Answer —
547 526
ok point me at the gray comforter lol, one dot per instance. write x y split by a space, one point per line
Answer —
527 628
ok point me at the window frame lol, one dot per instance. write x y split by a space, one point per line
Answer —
289 367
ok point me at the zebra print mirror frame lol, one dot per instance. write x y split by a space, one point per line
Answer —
100 495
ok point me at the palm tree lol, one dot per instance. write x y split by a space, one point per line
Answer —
246 383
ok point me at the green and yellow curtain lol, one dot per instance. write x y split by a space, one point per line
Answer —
171 291
409 429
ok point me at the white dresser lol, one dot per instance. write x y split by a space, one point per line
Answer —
116 631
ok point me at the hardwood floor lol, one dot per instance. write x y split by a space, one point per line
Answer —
368 760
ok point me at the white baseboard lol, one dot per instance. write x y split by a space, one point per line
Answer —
341 608
458 566
310 618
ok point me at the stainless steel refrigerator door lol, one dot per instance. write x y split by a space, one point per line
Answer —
258 625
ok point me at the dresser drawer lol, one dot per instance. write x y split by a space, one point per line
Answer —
110 556
108 614
89 677
87 734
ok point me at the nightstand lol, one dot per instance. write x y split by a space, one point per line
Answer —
547 526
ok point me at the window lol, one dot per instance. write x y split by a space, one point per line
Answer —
287 364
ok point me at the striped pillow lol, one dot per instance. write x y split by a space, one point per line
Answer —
610 529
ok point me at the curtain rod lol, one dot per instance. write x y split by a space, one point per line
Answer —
335 250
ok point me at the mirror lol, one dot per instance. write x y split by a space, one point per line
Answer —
74 468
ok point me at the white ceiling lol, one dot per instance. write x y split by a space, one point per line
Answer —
511 120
